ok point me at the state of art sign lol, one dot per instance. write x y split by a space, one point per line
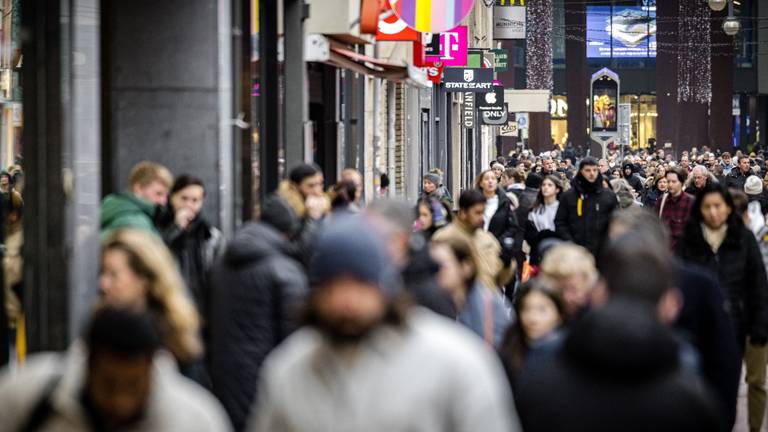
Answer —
468 80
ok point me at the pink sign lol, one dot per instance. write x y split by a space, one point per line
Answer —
453 47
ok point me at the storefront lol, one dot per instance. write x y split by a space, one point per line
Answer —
642 118
558 111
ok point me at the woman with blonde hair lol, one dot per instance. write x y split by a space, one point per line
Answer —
139 273
573 271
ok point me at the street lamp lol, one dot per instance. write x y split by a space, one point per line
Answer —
731 26
717 5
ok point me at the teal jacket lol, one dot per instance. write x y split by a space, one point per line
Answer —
126 210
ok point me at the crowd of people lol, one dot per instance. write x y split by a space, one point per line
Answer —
555 293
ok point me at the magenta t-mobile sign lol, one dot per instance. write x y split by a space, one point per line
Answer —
453 47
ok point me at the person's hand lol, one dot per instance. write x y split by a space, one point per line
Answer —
316 206
183 217
758 341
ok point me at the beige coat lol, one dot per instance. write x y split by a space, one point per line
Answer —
486 250
175 403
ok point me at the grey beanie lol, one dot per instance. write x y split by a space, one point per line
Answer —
433 178
753 185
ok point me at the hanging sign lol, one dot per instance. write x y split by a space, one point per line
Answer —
468 111
604 97
501 60
432 16
509 22
393 28
452 47
468 80
509 130
492 101
435 73
510 3
431 43
494 118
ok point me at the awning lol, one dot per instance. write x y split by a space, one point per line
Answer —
340 56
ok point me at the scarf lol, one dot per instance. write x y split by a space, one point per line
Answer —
714 237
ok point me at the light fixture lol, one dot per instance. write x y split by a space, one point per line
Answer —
717 5
731 26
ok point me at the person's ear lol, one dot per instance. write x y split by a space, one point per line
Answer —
669 306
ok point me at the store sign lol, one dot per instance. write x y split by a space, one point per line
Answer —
510 3
432 16
393 28
495 118
468 111
509 22
509 130
492 101
431 43
434 74
501 60
453 47
558 107
468 80
522 120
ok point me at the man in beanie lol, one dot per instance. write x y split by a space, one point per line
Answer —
753 187
258 288
585 209
366 362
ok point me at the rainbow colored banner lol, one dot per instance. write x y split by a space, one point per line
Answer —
432 16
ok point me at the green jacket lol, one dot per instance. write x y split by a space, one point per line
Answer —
125 210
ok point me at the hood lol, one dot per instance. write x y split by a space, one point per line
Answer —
116 205
623 341
293 197
254 242
583 186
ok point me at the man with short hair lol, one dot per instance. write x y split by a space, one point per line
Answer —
117 378
602 164
738 176
303 192
148 186
586 208
365 361
674 208
494 269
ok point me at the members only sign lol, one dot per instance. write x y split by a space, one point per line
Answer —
468 80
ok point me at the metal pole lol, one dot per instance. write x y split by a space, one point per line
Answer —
391 113
269 99
376 127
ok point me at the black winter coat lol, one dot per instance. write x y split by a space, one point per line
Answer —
504 226
258 289
196 250
589 228
740 271
651 197
736 180
617 370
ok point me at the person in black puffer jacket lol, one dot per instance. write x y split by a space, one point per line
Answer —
585 209
259 288
718 240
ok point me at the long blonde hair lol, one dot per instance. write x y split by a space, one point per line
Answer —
149 258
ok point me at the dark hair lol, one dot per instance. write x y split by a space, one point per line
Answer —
470 198
637 265
587 161
515 345
693 228
538 205
122 332
682 175
462 250
740 202
441 215
343 193
302 171
384 182
185 180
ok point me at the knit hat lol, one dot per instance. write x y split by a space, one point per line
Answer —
432 178
533 181
278 214
753 185
350 247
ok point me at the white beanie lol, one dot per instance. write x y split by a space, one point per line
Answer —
753 185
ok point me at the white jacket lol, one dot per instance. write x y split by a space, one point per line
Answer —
175 403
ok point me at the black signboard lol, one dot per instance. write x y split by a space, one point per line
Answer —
468 110
492 101
432 44
468 80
